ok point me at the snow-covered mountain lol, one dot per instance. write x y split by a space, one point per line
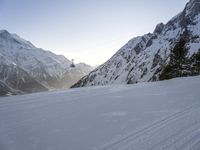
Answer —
172 50
22 63
14 80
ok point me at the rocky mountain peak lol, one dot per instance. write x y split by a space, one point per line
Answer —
3 31
159 28
187 16
7 38
4 34
192 8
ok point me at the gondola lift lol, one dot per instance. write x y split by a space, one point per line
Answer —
72 64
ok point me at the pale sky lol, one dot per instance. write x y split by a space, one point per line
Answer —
90 31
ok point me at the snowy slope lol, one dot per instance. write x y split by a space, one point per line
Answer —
45 67
145 116
145 58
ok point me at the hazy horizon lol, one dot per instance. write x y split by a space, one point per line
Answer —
89 31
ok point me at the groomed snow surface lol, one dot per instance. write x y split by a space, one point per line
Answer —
146 116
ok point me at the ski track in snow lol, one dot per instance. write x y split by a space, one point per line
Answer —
147 133
145 116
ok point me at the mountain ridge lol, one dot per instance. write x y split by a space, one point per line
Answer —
145 58
27 69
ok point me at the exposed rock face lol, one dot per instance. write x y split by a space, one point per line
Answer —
159 28
5 90
172 50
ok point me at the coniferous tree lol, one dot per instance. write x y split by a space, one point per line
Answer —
178 64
